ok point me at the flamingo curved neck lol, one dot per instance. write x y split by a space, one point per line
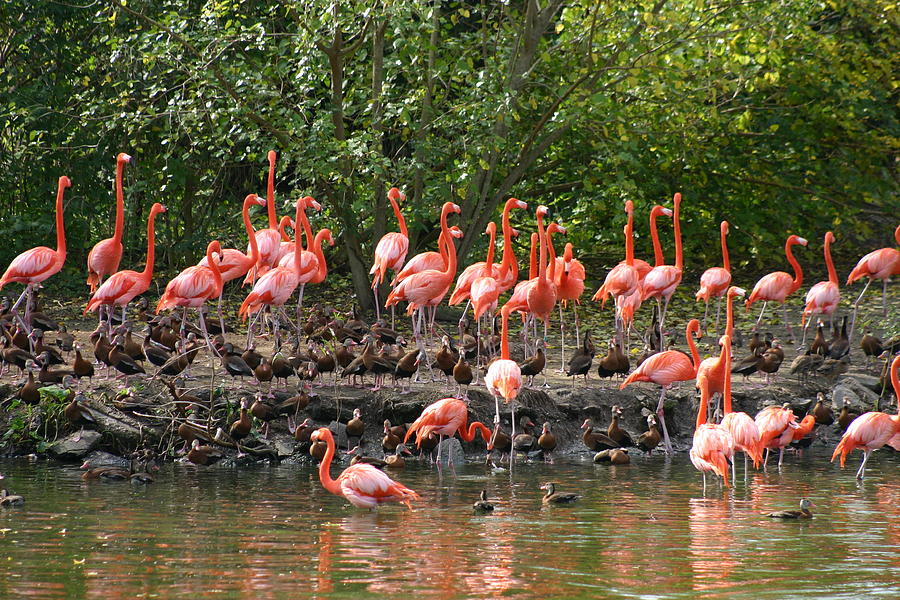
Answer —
120 202
298 238
703 383
723 234
726 389
508 264
151 247
729 314
798 271
469 435
551 274
322 271
60 226
400 220
629 239
451 251
695 355
678 257
832 274
532 261
658 257
307 229
270 193
504 333
328 483
214 267
251 235
542 239
489 261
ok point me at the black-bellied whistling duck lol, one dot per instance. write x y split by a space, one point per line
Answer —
771 361
46 376
13 355
871 346
82 368
407 366
181 399
204 455
29 393
819 344
525 442
463 375
122 362
428 444
355 426
580 363
54 357
143 465
390 441
105 472
343 355
317 449
445 358
500 441
383 333
749 365
615 456
65 341
242 427
233 364
804 364
190 431
131 347
840 346
7 500
482 505
21 339
356 367
377 364
846 416
606 366
304 431
263 373
554 497
252 357
263 411
803 513
78 415
101 350
756 342
547 441
396 460
649 440
359 457
615 432
534 365
821 411
291 407
595 440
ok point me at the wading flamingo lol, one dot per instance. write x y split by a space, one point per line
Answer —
872 430
713 446
713 368
776 425
824 297
662 281
504 377
879 264
124 286
777 286
715 281
742 427
624 279
445 418
390 253
105 256
36 265
665 368
361 484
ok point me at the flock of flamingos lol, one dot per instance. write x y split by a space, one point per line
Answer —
276 266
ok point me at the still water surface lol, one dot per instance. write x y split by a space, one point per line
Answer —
640 531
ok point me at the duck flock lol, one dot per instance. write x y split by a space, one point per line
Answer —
277 269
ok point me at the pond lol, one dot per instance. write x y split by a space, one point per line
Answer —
644 530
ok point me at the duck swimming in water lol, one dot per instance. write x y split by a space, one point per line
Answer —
554 497
803 513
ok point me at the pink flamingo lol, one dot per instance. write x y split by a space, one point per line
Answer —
193 287
38 264
742 427
713 445
624 279
570 276
777 286
286 246
485 290
361 484
234 263
445 417
124 286
713 368
267 240
312 269
430 260
879 264
662 281
715 281
426 288
776 425
872 430
506 273
822 298
390 253
504 377
665 368
105 256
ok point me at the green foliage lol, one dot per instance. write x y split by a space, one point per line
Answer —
777 116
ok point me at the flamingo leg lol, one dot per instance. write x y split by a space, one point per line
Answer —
805 329
718 312
661 413
512 436
377 301
787 323
780 457
562 341
221 316
577 332
300 310
862 468
745 466
755 327
705 314
704 481
856 309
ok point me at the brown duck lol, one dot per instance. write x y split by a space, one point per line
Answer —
534 365
553 497
615 432
463 376
821 411
204 455
547 441
649 440
594 440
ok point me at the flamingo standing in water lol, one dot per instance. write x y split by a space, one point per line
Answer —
740 425
268 241
105 256
713 368
824 297
662 281
624 279
361 484
777 286
445 417
665 368
715 281
713 446
776 425
872 430
879 264
36 265
390 253
125 286
504 377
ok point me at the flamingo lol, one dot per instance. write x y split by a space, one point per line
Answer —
665 368
286 245
124 286
623 280
361 484
426 288
879 264
824 297
506 273
504 377
445 417
267 240
234 263
428 260
776 425
715 281
662 281
193 287
485 290
569 287
312 270
713 368
777 286
713 446
390 253
105 256
740 425
38 264
872 430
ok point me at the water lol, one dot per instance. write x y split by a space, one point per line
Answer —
640 531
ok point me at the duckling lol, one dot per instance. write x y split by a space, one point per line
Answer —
804 364
649 440
7 500
554 497
482 505
547 441
821 411
616 433
832 368
803 513
204 455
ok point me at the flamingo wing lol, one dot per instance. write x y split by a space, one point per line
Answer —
662 369
504 378
661 281
121 288
713 283
878 264
30 266
367 487
773 287
713 448
745 434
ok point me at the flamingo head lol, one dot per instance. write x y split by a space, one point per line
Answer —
796 239
723 227
676 200
556 228
310 202
64 182
736 291
829 237
157 208
514 232
457 232
271 156
322 433
396 195
491 229
255 199
542 211
123 158
629 207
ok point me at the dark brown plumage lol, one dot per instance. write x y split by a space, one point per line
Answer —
242 427
554 497
534 365
594 440
649 440
615 432
204 455
821 411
